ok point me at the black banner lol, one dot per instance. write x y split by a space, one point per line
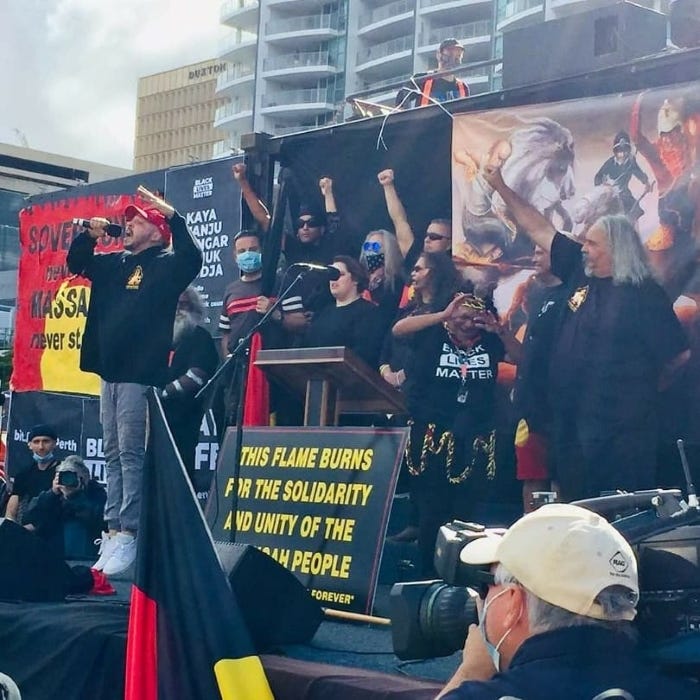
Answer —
317 500
76 419
209 199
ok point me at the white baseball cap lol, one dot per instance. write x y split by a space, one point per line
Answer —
565 555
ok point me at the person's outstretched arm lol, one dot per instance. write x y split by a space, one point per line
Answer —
397 213
257 208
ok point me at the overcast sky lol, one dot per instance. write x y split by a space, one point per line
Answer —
69 68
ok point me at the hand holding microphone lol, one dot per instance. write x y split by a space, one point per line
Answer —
97 226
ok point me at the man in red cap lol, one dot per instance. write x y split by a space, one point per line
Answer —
127 341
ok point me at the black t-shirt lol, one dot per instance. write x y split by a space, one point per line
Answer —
32 481
441 90
532 383
612 344
356 326
451 387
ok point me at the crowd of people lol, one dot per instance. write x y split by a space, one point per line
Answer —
601 342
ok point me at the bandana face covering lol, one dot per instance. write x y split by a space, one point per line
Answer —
374 261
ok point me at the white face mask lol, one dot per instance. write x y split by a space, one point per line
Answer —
493 651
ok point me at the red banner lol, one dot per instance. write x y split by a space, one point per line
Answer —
51 303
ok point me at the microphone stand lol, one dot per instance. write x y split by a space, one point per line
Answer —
241 356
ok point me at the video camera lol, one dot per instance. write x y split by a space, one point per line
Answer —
431 618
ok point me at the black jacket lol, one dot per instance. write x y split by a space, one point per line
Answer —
129 326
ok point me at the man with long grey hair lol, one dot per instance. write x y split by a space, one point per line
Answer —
617 344
559 594
192 363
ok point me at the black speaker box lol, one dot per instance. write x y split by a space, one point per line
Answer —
29 570
276 607
581 43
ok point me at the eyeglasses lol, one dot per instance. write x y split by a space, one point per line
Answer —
308 223
371 246
435 236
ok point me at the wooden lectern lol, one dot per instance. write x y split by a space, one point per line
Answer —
333 380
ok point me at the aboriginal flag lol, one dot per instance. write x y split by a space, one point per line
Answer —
187 638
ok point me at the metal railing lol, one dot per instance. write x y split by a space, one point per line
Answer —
290 97
232 109
234 73
298 60
386 48
235 39
515 7
230 6
470 30
386 12
301 24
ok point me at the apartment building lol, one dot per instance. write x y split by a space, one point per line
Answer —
293 63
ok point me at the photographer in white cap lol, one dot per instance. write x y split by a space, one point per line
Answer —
555 619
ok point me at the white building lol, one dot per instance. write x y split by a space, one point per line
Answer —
293 62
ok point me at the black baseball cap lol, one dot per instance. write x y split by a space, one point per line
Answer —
447 43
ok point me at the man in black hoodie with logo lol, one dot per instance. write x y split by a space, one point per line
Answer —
127 341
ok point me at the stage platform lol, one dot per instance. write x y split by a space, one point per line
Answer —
75 651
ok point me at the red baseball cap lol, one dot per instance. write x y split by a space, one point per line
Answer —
153 216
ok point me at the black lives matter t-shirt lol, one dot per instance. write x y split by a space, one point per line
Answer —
454 387
613 341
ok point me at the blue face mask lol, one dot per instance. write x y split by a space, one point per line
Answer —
45 458
493 651
250 261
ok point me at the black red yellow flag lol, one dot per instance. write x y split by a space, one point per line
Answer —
187 638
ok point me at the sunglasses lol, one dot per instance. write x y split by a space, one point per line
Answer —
371 246
435 236
308 223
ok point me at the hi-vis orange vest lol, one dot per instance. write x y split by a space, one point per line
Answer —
428 88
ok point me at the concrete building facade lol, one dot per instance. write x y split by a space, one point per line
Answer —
175 114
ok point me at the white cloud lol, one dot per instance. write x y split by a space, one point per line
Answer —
73 67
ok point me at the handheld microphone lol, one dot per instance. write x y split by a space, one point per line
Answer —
331 272
114 230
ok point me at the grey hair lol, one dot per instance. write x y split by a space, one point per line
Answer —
629 259
197 303
616 602
393 260
75 463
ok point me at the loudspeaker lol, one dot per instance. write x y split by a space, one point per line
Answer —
29 569
581 43
276 607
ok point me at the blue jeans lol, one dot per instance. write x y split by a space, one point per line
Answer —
124 418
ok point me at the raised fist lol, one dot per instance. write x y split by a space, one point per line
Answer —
385 177
239 171
326 185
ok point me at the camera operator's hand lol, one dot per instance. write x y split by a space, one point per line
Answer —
476 663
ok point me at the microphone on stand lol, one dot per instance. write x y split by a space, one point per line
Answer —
331 272
114 230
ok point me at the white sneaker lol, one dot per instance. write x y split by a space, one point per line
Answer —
123 556
107 544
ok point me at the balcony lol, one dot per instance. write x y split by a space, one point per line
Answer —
241 14
307 28
301 64
236 43
234 77
232 112
517 10
469 33
226 148
448 7
387 58
311 101
387 21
